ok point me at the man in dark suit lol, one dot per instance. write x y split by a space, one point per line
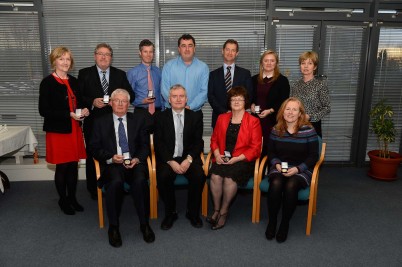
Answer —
95 82
178 144
224 78
120 142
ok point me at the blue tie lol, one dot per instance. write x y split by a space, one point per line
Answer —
123 143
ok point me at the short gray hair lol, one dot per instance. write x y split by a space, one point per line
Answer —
177 86
121 91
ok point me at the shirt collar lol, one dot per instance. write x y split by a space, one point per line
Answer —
115 117
100 70
232 66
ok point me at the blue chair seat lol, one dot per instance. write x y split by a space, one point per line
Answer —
249 185
180 180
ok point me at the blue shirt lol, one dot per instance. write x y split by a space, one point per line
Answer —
193 77
138 79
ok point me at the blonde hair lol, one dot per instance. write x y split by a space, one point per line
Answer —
281 126
309 55
276 70
57 53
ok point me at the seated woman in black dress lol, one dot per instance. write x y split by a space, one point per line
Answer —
293 142
236 144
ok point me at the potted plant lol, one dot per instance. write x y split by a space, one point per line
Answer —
383 163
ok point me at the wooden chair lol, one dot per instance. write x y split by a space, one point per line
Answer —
179 181
126 187
310 193
251 185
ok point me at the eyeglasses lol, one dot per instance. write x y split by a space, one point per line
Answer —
104 54
118 101
236 100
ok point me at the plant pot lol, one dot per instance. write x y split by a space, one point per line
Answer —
384 168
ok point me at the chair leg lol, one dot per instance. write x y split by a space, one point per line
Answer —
309 215
258 207
100 208
204 201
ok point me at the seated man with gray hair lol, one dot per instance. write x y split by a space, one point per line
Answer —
120 142
178 144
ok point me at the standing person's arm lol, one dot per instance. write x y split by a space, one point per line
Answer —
323 102
165 83
202 87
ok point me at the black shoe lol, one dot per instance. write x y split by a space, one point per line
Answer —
210 220
194 220
218 226
65 207
147 233
282 234
271 230
76 206
94 195
114 237
168 221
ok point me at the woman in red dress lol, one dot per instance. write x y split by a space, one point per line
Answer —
59 104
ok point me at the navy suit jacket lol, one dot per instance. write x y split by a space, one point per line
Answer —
165 138
91 88
217 95
103 144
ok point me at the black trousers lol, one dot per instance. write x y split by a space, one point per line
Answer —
165 177
114 177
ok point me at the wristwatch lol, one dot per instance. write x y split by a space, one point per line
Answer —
190 158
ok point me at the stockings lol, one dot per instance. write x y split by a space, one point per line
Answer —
283 192
223 191
65 178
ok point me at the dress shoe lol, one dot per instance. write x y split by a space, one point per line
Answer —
282 234
65 207
218 225
270 231
114 237
94 195
210 219
194 220
147 233
76 206
168 221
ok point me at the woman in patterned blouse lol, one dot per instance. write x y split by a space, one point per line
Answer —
312 92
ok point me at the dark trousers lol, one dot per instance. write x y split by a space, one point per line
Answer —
114 177
317 127
89 164
165 177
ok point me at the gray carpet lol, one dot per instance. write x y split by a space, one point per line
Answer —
358 223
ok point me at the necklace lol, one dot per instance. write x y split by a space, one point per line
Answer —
55 72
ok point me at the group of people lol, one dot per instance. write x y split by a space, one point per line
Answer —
284 123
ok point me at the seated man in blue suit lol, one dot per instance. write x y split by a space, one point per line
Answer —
120 142
178 144
224 78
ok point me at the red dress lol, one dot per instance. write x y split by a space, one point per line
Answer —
63 148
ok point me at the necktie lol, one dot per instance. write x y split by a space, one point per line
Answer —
228 79
179 136
105 84
151 106
123 143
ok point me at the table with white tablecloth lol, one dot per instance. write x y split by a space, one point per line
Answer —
17 141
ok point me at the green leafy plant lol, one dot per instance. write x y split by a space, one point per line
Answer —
383 126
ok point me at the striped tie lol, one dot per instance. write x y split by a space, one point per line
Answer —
228 79
105 85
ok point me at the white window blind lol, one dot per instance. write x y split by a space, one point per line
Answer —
388 80
20 71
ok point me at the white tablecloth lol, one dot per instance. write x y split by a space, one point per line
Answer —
18 139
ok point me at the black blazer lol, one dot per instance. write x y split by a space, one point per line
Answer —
164 135
278 93
53 104
217 95
91 88
103 144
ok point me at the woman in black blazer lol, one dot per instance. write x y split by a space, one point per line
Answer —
270 89
60 105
